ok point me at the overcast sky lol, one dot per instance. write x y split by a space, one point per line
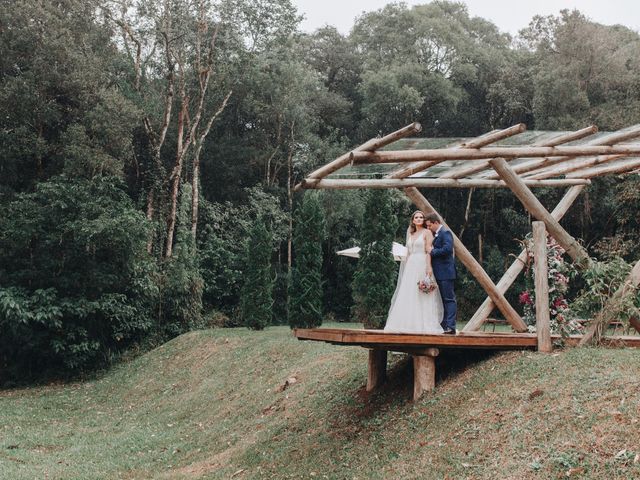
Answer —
508 15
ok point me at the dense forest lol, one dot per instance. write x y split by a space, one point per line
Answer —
149 149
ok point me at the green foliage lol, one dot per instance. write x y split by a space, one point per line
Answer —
60 106
257 290
589 70
602 280
220 253
375 278
181 284
627 199
305 291
76 284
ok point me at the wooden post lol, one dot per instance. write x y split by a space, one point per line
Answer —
377 369
543 319
473 266
518 265
424 372
535 208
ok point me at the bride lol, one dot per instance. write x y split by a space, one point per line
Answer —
412 310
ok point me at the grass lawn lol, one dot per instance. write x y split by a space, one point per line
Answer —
214 404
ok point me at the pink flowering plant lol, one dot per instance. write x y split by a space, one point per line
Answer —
562 319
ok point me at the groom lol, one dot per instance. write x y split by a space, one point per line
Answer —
444 269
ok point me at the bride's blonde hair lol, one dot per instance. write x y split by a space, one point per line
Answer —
412 227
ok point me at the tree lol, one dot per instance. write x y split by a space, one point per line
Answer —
583 72
305 291
172 50
434 62
375 278
257 291
180 281
61 106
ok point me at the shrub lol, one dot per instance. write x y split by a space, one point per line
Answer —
375 278
305 291
257 291
76 283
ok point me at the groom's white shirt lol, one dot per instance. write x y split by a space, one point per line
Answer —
437 231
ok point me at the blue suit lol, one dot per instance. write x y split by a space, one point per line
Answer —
444 269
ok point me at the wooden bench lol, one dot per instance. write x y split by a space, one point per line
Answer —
493 322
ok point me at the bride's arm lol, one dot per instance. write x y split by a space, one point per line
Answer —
428 245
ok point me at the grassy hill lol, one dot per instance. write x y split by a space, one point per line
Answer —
213 404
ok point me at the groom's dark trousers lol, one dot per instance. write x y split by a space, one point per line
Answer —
449 303
444 270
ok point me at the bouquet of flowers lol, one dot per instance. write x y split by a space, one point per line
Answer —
427 284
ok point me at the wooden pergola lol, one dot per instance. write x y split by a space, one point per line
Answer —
511 158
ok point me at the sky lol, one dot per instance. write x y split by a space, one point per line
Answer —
508 15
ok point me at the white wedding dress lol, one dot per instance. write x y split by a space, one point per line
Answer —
413 311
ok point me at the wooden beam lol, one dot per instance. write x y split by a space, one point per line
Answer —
570 166
424 373
486 139
529 166
483 312
619 167
543 317
369 146
404 342
377 372
467 170
611 309
442 154
623 135
535 208
473 266
342 184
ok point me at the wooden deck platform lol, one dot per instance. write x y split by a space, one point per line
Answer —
425 348
406 342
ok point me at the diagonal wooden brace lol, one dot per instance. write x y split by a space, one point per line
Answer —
518 265
537 210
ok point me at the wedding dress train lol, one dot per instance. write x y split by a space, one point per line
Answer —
413 311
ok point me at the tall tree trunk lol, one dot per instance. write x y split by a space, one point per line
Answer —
196 164
195 194
290 200
175 187
290 195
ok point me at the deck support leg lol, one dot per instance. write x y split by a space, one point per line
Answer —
377 369
424 372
